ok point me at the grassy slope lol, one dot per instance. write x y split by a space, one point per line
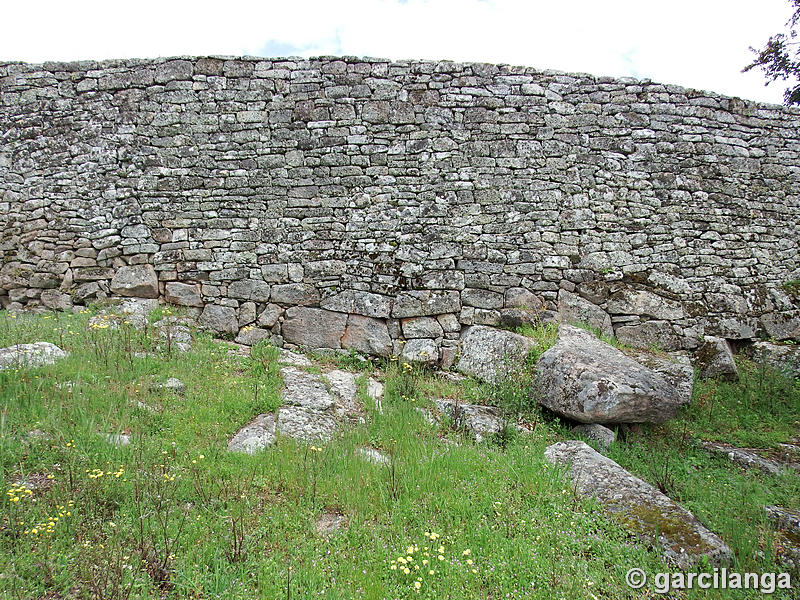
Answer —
181 500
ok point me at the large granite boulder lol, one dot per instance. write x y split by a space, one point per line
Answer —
140 281
589 381
30 355
492 354
638 506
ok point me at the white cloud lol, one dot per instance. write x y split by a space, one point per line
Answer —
697 43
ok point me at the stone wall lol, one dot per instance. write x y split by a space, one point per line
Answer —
358 202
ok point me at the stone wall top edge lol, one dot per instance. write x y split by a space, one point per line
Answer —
86 65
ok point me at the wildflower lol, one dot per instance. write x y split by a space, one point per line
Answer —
417 585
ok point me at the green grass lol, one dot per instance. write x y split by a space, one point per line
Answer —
175 515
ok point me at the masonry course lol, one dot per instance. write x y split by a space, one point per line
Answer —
396 190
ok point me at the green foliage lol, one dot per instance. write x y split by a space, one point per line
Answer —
792 287
780 57
175 515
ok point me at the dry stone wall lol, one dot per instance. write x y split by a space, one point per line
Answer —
357 203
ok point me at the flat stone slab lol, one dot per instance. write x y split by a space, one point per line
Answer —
306 425
288 357
771 462
596 432
313 408
586 380
479 420
373 455
256 435
36 354
638 506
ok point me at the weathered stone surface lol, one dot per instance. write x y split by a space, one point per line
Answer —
421 327
56 300
32 355
304 389
269 316
420 350
675 367
480 421
256 435
183 294
373 455
771 463
596 432
574 309
294 294
782 326
139 281
221 319
134 310
787 523
287 357
648 334
783 357
250 336
589 381
358 302
425 303
638 506
306 425
492 354
714 358
314 327
367 335
644 303
175 385
250 289
352 185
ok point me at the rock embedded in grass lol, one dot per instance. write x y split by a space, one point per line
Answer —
752 458
586 380
36 354
492 354
255 436
638 506
597 433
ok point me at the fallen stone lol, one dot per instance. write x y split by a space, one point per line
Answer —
256 435
638 506
288 357
589 381
175 333
597 433
574 309
782 357
480 421
221 319
492 354
675 367
32 355
375 393
140 281
714 358
372 455
754 458
787 536
175 385
117 439
313 327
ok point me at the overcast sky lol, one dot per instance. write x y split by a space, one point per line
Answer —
696 43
